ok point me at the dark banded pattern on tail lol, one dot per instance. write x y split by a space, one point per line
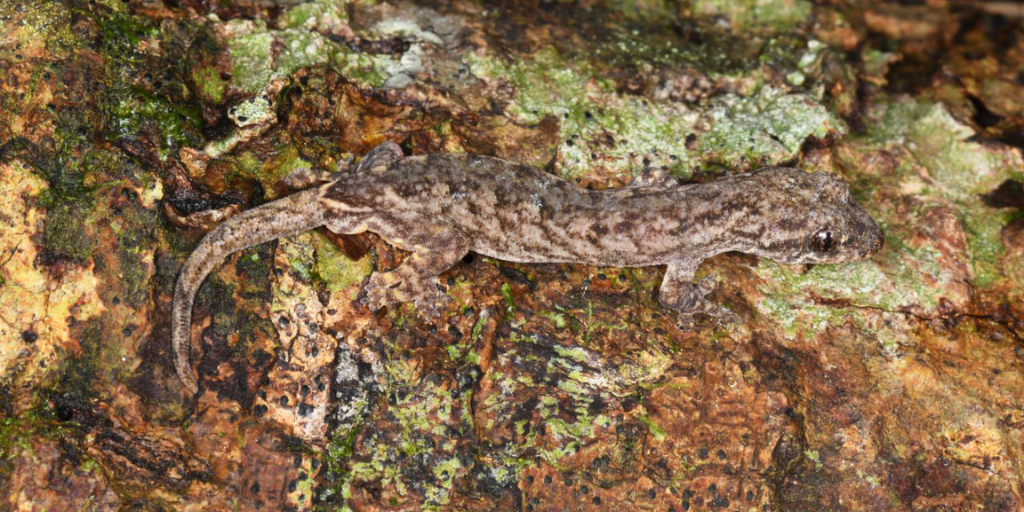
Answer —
287 216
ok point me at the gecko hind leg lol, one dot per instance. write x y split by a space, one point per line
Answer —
383 154
415 280
305 177
689 299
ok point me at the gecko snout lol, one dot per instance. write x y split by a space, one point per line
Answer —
868 237
879 242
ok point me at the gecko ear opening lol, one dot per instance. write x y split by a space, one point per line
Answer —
821 242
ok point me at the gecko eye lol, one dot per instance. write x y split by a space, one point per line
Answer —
821 242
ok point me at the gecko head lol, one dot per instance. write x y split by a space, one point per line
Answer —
816 221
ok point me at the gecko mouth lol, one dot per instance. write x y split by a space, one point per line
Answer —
877 243
873 237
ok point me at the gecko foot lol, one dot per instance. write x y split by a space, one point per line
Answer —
694 305
389 288
431 304
708 310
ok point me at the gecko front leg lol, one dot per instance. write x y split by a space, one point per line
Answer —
380 157
416 278
679 292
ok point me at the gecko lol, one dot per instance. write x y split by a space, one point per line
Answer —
439 207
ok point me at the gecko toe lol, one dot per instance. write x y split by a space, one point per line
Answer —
706 285
380 291
431 304
389 288
703 312
685 321
724 316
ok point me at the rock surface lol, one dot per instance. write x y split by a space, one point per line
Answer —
889 384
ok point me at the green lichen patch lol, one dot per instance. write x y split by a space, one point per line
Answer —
330 15
250 45
260 55
957 172
802 303
766 128
756 15
423 424
602 129
269 167
559 395
250 112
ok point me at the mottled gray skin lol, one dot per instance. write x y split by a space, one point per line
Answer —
439 207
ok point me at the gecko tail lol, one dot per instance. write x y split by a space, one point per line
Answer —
287 216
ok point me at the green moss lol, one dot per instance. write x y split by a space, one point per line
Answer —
208 81
132 270
121 32
214 296
335 269
128 108
71 383
337 455
66 171
65 234
16 436
656 430
255 270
